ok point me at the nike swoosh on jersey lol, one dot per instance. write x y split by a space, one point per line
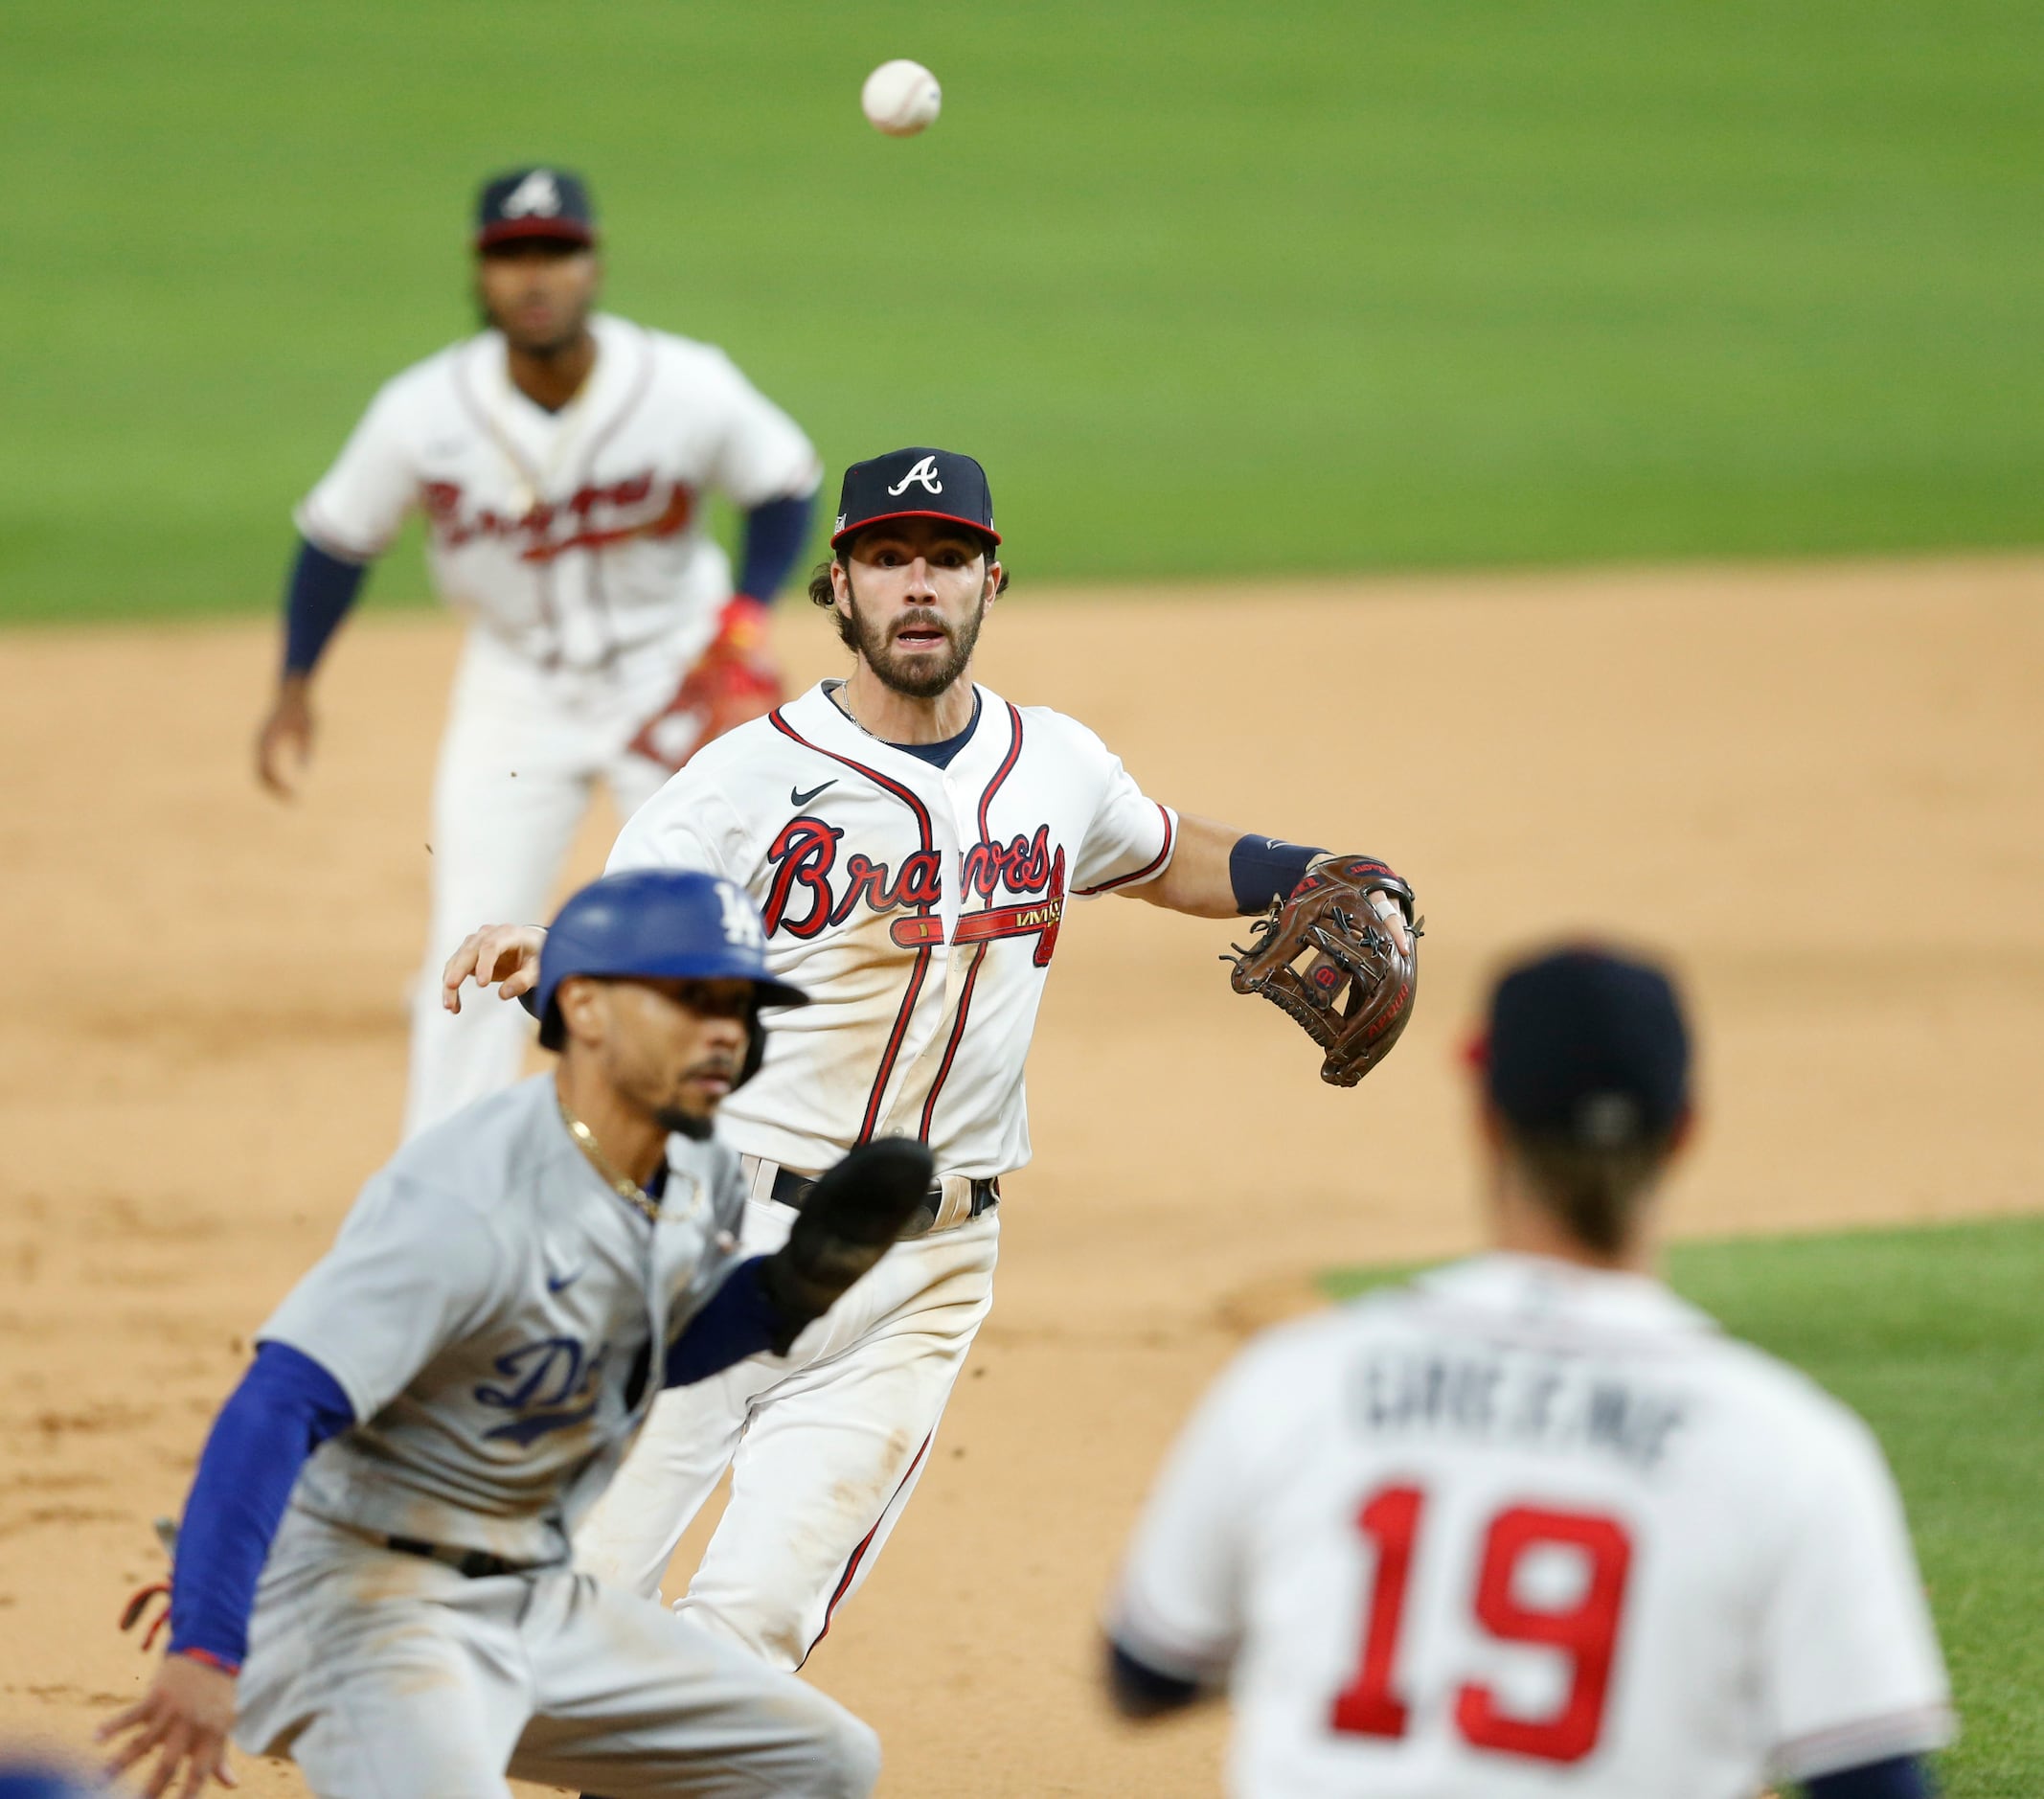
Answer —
799 798
560 1283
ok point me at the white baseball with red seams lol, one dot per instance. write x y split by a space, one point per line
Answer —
920 909
575 541
900 98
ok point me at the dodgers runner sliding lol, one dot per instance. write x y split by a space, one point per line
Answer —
1531 1525
563 461
911 840
437 1402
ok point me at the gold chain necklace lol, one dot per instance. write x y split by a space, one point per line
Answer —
626 1189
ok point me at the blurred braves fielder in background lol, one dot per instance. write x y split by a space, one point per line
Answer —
563 460
373 1574
1532 1525
911 839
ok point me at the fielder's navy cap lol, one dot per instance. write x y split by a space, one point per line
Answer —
1588 1047
533 203
656 924
919 483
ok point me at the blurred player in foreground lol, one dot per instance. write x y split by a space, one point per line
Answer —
911 840
438 1401
563 461
1531 1525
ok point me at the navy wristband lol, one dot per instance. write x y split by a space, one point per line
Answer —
322 589
775 533
1263 868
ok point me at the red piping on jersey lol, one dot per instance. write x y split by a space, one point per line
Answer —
964 998
858 1555
1000 774
599 597
1144 873
894 1047
922 956
543 572
958 1031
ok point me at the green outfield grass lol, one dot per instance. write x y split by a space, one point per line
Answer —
1937 1337
1217 289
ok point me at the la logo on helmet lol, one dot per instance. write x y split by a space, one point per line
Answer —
536 194
924 472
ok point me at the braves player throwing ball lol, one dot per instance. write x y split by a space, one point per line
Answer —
911 840
373 1574
1531 1525
563 461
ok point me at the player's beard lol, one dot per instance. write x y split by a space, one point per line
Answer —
922 678
696 1125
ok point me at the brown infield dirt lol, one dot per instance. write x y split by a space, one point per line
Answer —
1822 789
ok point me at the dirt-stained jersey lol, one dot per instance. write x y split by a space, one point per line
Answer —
573 534
919 907
1521 1528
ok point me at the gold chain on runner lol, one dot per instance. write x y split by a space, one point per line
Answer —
627 1190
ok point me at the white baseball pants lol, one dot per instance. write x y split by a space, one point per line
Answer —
387 1676
824 1447
518 766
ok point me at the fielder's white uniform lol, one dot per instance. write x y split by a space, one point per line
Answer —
919 908
496 1315
576 540
1527 1529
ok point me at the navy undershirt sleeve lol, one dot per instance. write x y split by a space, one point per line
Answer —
322 589
1903 1777
285 1408
1263 868
1141 1691
774 535
739 1321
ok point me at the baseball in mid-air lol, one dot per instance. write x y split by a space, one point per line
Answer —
900 98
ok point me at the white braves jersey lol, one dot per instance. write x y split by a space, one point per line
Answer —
573 535
1521 1529
918 907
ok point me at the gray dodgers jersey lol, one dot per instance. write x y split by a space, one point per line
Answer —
496 1315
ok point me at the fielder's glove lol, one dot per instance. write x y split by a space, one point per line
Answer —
734 680
849 1220
1329 961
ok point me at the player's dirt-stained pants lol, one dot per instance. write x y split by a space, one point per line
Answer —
824 1447
388 1677
522 753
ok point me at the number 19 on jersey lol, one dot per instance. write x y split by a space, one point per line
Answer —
1583 1631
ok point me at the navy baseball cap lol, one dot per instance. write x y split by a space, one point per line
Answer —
655 924
919 483
529 203
1589 1047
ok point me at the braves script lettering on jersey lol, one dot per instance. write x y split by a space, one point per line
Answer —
920 907
1528 1529
576 540
495 1314
508 490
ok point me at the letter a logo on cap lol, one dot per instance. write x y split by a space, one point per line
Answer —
535 196
924 472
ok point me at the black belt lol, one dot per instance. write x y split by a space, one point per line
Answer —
476 1564
791 1189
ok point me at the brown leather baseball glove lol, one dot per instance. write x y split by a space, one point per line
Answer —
1327 959
732 681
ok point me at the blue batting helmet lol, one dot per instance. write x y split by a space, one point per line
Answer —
662 924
